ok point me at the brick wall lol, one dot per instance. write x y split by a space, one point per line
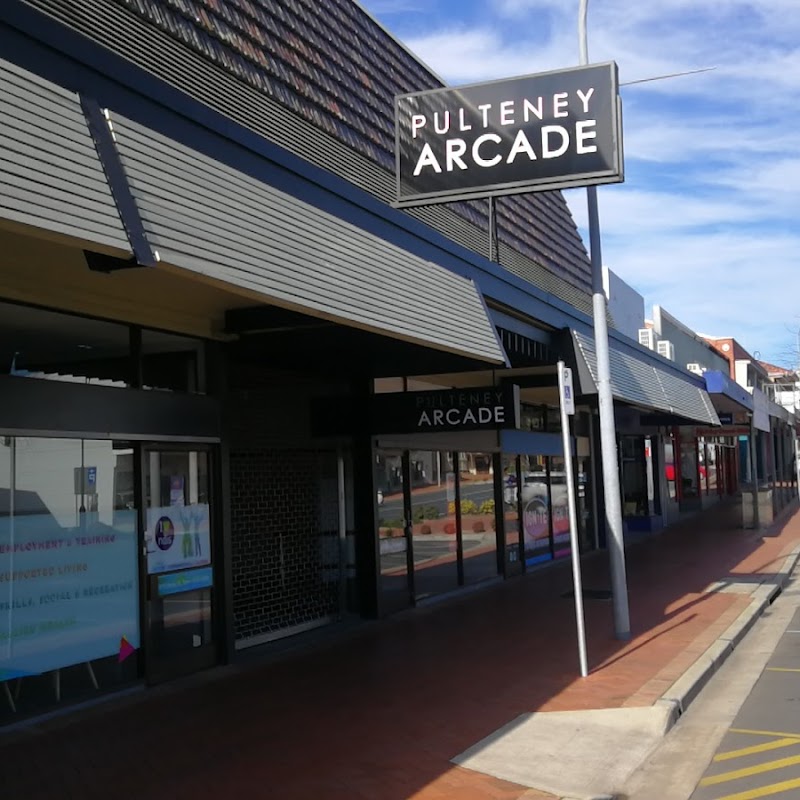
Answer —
284 511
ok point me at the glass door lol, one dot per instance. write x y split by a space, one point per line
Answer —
394 535
179 562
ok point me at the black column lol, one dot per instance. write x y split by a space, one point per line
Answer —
216 386
366 545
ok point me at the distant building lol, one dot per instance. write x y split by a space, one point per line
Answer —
625 304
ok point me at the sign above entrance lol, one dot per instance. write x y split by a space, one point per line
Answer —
551 130
484 408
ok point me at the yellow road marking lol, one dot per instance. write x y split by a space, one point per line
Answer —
763 791
748 771
778 734
756 748
781 669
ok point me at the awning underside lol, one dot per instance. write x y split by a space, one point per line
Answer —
644 384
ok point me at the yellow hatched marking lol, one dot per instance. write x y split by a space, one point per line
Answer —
756 748
778 734
781 669
764 791
748 771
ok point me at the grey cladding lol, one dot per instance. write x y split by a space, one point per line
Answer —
204 216
50 173
182 56
645 384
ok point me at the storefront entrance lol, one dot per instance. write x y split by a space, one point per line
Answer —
436 523
179 562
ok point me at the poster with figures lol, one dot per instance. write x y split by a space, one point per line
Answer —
177 537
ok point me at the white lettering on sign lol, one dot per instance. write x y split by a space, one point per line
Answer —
503 113
454 417
554 141
476 150
489 149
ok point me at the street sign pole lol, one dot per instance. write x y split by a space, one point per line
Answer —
608 435
567 404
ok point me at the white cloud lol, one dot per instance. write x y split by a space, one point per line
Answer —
705 223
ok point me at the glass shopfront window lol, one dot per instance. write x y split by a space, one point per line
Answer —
171 362
393 542
708 469
478 534
535 500
634 476
584 506
689 469
54 346
433 533
69 593
669 466
511 518
559 505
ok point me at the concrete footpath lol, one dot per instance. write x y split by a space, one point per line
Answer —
474 698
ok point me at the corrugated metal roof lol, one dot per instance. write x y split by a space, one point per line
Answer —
643 383
204 216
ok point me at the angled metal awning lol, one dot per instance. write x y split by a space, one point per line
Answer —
229 226
641 382
51 176
727 395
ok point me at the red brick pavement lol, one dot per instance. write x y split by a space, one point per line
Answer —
379 713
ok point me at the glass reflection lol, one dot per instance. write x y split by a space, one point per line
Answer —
433 515
535 498
559 504
511 515
478 534
689 469
669 466
69 598
584 506
392 540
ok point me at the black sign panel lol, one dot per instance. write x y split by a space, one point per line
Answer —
725 419
551 130
485 408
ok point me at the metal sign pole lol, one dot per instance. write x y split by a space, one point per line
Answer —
567 404
608 436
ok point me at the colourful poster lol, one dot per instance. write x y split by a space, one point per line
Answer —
535 524
177 537
67 595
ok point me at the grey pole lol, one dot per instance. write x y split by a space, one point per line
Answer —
569 477
608 436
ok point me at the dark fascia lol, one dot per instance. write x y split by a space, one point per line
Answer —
42 45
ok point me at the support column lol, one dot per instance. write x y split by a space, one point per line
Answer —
364 501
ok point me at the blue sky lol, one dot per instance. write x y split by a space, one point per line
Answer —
706 223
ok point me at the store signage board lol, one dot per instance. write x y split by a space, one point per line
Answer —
479 408
551 130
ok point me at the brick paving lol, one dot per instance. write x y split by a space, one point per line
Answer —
377 714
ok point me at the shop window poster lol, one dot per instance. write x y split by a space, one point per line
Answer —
68 595
177 537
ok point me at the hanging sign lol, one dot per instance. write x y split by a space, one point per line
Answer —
551 130
479 408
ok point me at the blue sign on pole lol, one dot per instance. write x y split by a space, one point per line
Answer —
91 475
